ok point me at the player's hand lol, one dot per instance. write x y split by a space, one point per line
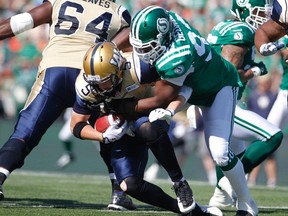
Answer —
271 48
114 132
161 114
259 69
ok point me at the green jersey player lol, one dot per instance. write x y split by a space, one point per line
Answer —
183 57
234 40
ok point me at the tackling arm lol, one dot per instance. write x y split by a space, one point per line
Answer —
269 32
164 93
25 21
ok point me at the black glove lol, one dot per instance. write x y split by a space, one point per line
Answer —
259 69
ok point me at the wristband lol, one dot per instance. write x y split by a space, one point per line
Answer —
256 71
171 111
78 128
21 22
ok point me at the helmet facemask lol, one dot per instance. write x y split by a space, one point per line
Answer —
96 86
252 13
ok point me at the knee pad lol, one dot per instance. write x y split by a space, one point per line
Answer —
220 151
150 132
133 184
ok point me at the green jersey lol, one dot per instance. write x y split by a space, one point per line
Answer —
189 60
233 32
284 82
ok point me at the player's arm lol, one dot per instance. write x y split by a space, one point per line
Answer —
266 37
164 93
82 129
235 54
174 106
122 40
26 21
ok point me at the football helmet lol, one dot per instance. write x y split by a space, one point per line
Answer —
150 33
253 12
102 64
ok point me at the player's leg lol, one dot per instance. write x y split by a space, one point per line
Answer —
279 109
155 135
45 103
119 199
218 126
129 159
248 127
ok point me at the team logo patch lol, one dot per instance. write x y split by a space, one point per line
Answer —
162 25
179 69
238 36
242 3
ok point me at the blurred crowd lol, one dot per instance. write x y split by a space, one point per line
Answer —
20 56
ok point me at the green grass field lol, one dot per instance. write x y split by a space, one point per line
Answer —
42 193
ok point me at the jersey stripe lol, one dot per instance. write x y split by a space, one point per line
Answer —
178 52
233 26
252 127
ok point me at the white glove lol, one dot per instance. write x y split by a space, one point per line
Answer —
271 48
114 132
161 114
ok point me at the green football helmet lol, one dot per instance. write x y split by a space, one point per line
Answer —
150 33
253 12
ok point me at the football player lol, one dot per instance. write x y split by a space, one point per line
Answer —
234 40
75 26
109 76
182 57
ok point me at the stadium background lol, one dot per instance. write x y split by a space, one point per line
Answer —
19 58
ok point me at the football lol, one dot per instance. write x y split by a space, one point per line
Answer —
103 122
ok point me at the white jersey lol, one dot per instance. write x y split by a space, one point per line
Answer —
76 26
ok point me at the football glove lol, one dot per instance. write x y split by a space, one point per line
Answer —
114 132
271 48
259 69
161 114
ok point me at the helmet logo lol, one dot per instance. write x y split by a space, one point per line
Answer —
116 59
179 69
242 3
162 25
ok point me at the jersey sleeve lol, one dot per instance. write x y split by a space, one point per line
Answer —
231 33
279 12
126 17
